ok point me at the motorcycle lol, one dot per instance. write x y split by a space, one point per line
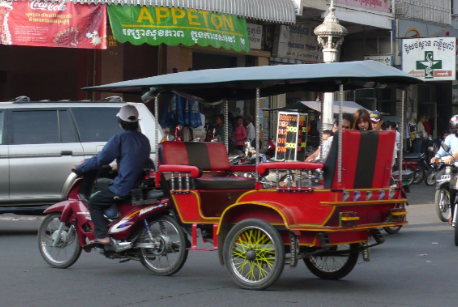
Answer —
416 162
140 228
271 148
445 180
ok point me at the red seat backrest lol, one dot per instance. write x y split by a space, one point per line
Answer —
207 156
366 160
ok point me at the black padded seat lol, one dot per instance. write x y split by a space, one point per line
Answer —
224 183
413 156
154 194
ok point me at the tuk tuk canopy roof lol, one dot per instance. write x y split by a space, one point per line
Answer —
214 85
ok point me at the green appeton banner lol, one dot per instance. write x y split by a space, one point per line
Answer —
172 26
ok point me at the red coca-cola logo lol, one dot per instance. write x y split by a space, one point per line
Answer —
47 6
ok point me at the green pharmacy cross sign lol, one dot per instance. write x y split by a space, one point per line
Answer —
156 25
429 64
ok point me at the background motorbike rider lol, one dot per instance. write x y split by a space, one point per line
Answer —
131 150
451 143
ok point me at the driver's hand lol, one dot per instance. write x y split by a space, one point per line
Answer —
73 168
434 160
448 160
114 168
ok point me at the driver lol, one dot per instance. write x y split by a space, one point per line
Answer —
451 143
131 150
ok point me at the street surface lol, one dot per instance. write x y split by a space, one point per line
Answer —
416 267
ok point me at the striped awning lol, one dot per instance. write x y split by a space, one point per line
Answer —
279 11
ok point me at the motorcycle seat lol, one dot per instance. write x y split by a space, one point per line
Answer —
112 212
413 156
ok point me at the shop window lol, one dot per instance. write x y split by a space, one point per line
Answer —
35 127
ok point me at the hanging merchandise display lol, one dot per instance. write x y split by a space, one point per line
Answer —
180 111
53 24
172 26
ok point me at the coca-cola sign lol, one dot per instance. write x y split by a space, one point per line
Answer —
47 24
47 6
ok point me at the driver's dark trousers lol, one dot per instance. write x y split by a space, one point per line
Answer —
98 203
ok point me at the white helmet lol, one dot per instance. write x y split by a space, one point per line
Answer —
454 121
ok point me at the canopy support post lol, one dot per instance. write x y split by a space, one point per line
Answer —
339 166
401 145
321 130
226 125
156 115
257 131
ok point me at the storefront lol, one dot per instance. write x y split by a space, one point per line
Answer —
194 35
429 52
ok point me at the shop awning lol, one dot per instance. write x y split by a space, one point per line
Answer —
280 11
348 106
213 85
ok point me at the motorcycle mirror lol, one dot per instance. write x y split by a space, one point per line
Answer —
431 149
445 147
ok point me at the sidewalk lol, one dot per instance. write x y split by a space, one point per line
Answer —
421 194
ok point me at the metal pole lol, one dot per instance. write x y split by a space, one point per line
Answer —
226 125
321 131
403 97
156 115
339 166
257 130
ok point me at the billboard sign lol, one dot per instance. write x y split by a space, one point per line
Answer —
430 59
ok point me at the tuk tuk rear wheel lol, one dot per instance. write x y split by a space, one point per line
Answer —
254 254
334 266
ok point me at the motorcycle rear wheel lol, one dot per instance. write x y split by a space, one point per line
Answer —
430 178
170 253
67 250
442 204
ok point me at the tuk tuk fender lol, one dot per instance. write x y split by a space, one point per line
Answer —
271 212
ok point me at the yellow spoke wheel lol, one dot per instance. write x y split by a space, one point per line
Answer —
254 254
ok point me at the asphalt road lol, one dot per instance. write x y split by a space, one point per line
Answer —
416 267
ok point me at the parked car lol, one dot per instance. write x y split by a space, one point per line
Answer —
40 141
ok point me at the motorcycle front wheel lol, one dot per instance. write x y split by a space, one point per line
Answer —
66 249
442 204
169 253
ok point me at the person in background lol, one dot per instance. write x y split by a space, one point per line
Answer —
427 125
250 131
219 128
346 124
421 134
391 126
239 133
362 120
376 120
